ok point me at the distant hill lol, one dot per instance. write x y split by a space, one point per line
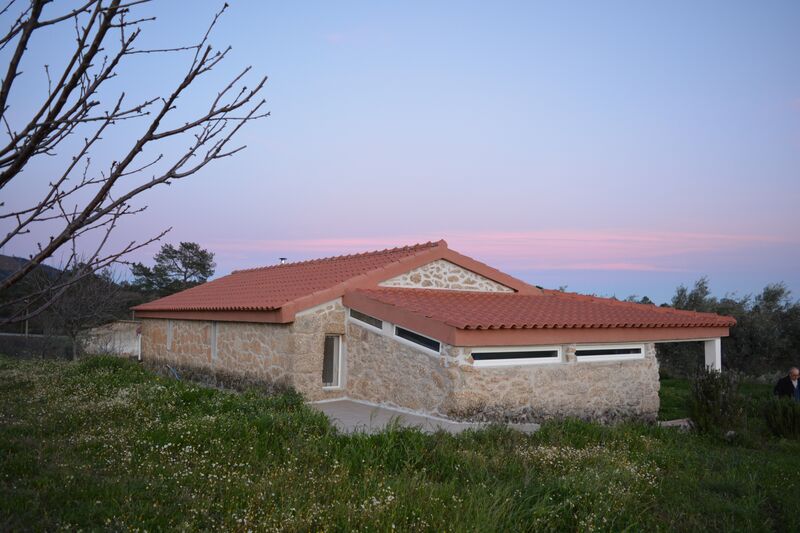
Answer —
10 264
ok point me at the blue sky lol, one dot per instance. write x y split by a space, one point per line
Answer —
616 147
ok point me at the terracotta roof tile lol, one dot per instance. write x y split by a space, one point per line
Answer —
271 287
551 309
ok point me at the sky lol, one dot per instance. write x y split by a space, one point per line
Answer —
615 148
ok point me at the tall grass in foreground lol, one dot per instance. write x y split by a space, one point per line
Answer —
104 444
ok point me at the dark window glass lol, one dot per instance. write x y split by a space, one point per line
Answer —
416 338
372 321
610 351
493 356
330 362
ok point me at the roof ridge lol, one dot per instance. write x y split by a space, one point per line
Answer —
429 244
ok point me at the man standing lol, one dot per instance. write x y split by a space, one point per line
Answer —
788 386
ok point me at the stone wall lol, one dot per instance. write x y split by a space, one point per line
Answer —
441 274
259 351
600 390
384 370
308 330
279 354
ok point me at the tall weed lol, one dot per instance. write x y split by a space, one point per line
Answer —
783 417
716 405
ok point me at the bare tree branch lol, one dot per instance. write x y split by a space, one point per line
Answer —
84 203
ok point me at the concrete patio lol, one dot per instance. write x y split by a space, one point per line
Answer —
351 416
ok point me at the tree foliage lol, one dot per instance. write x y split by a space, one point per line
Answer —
765 339
175 269
74 210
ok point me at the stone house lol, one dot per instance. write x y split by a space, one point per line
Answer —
427 329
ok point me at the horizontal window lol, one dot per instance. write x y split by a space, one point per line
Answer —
494 356
372 321
416 338
518 356
610 351
599 353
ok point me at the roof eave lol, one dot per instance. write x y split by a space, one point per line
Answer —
276 316
537 336
457 336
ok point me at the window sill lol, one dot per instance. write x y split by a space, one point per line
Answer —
501 363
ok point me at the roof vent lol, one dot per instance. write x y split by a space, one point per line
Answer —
283 260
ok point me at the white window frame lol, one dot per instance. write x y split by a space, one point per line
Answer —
339 357
558 359
616 357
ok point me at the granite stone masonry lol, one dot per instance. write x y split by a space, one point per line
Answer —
442 274
280 354
597 390
384 370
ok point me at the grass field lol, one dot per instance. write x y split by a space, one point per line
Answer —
103 444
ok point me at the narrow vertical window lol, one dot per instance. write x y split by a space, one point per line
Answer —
331 361
169 335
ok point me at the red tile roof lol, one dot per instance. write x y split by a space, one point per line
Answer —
269 288
548 310
276 293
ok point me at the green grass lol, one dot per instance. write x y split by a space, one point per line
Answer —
103 444
675 394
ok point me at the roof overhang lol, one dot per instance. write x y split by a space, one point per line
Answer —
446 333
276 316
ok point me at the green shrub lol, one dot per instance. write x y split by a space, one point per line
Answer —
716 405
783 417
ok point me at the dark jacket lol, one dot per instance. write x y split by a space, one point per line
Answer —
784 388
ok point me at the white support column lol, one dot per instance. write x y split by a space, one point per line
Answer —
713 350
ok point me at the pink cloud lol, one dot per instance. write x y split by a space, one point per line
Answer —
633 267
530 250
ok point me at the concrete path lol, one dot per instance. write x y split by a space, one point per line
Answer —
357 416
